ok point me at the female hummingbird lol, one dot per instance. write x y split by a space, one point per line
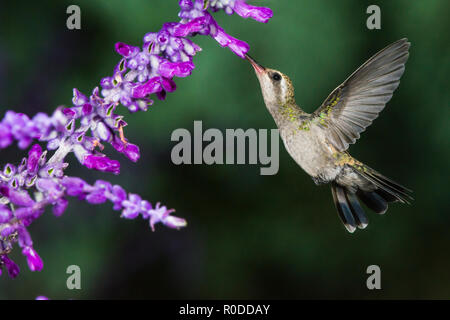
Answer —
318 141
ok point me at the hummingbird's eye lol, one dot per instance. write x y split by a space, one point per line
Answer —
276 76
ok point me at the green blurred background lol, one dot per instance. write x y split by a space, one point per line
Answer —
249 236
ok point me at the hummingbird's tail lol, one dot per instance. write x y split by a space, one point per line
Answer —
383 191
348 207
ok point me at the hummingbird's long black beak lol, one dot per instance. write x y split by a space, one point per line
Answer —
258 68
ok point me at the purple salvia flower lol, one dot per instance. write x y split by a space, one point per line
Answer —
24 237
171 69
197 16
60 206
102 163
237 46
117 197
74 186
17 126
7 230
6 138
161 214
11 267
241 8
125 50
98 195
35 262
151 86
51 188
131 151
258 13
17 197
24 213
132 206
5 214
87 109
174 222
70 113
79 99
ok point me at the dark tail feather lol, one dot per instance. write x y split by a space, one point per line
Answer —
373 201
387 189
384 191
349 209
357 210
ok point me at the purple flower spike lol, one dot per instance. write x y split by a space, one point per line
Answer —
260 14
42 298
142 73
102 164
35 262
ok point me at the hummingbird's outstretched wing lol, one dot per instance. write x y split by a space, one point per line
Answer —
352 106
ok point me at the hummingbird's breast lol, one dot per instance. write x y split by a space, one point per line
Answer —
309 149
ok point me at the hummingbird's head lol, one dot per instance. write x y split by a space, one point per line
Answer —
276 87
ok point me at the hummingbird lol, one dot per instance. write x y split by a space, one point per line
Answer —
318 141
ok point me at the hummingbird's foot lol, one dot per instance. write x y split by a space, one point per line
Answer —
97 143
122 135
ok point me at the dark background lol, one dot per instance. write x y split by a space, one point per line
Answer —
249 236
